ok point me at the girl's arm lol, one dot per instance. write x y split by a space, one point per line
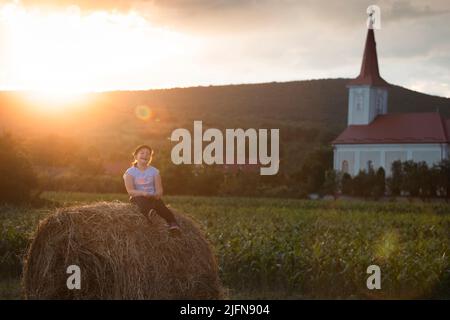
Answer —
129 185
158 187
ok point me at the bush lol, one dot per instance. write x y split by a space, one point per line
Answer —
83 183
379 187
331 183
415 179
18 181
346 184
311 176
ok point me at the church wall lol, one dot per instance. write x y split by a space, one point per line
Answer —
373 98
373 156
342 156
392 156
429 157
382 155
358 105
365 103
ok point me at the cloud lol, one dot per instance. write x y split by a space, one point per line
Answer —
410 10
83 4
276 40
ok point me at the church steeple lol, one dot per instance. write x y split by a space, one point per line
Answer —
370 74
368 92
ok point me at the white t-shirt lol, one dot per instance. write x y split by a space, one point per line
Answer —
144 180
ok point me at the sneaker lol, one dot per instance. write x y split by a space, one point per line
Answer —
150 214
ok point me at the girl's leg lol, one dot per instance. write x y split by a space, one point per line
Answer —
143 203
163 211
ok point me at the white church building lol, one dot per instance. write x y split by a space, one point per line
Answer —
378 138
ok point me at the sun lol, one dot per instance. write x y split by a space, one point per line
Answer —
58 54
52 100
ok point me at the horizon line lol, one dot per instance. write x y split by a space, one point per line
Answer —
81 92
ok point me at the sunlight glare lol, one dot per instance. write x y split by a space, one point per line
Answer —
61 53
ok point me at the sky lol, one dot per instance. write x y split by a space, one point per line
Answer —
64 46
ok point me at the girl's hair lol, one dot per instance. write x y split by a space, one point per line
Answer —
139 148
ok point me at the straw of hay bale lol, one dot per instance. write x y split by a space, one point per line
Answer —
121 254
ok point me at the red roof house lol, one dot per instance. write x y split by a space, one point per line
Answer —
376 138
429 127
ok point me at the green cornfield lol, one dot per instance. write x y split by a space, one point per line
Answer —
289 249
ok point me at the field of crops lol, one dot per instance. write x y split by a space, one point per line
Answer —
275 248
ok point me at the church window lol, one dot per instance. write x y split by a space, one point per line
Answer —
359 101
344 168
379 103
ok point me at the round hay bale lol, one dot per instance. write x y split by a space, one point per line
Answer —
121 255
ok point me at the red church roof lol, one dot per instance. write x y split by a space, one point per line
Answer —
429 127
369 75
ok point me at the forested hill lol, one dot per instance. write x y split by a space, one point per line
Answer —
310 102
308 114
322 102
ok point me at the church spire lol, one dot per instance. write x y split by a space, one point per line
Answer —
368 93
370 75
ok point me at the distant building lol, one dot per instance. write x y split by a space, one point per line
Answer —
374 137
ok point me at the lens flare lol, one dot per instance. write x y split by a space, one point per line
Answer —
143 113
388 245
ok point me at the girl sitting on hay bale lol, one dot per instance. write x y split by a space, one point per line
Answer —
143 184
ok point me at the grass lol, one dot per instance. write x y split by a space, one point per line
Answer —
281 248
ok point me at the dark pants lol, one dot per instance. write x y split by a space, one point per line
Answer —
145 204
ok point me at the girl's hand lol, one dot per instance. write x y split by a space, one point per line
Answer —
147 194
156 196
158 187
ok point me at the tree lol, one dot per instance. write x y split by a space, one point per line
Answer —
359 184
443 178
379 186
427 180
17 178
411 179
366 183
396 180
311 176
346 184
330 186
